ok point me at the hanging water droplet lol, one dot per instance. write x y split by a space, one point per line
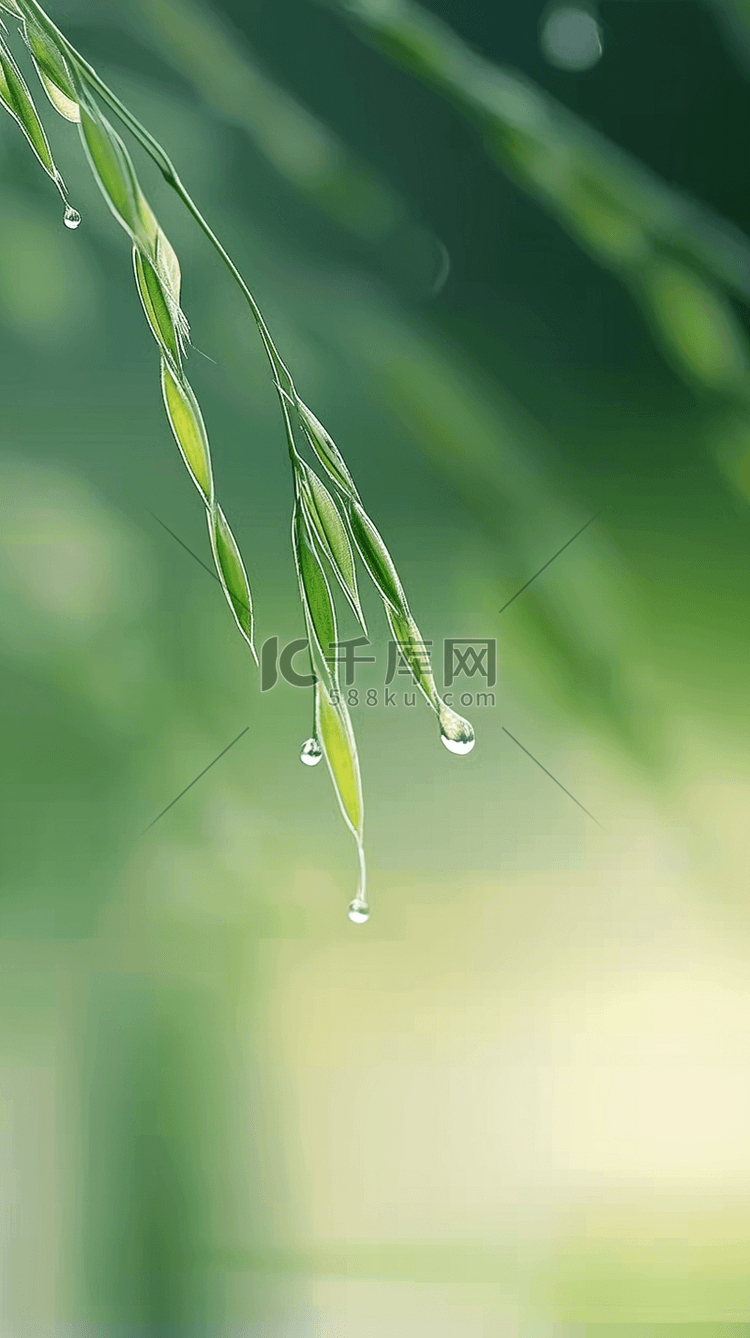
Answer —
459 746
310 753
359 911
456 733
71 217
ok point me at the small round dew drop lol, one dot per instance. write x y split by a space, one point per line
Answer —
456 733
358 912
71 217
310 753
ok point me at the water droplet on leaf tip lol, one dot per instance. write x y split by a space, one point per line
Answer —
310 753
457 734
71 217
359 912
459 746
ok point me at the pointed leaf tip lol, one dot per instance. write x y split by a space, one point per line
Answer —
232 573
15 96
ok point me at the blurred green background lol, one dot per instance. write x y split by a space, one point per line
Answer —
512 279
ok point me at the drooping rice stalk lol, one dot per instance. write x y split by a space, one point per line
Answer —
328 526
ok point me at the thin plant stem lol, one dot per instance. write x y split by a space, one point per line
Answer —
159 156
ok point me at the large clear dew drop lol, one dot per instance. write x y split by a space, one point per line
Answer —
310 753
71 217
359 911
456 733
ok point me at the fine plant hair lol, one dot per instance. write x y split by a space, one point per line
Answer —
329 524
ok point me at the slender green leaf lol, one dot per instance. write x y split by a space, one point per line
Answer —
326 450
316 599
415 652
17 99
162 314
377 559
232 572
53 70
326 524
112 168
189 429
335 732
114 171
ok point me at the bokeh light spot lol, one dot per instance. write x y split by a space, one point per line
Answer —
571 39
